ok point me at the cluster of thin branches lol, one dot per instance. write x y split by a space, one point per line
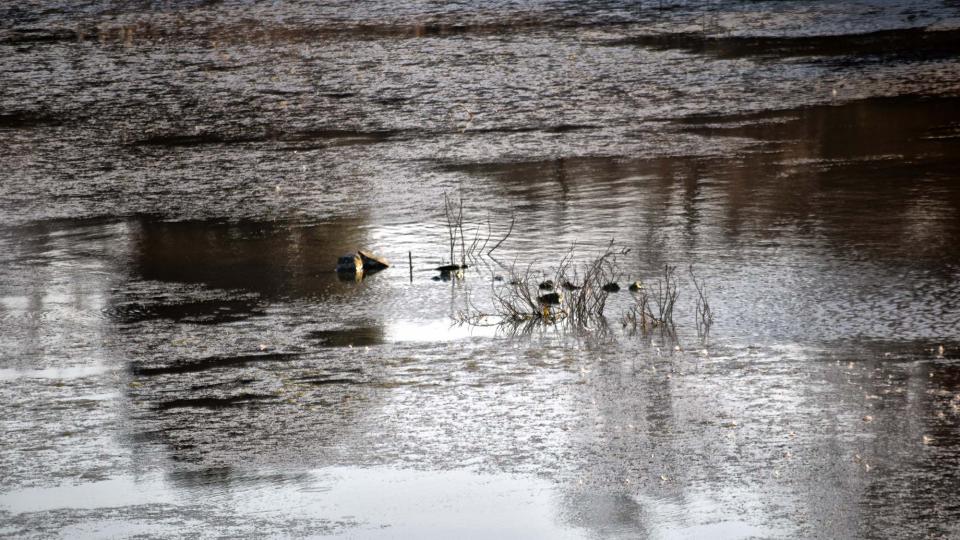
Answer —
589 300
577 296
453 211
567 296
654 309
520 301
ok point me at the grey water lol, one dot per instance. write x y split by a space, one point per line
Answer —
178 358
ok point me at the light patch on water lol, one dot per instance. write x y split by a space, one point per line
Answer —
116 528
15 303
112 493
725 530
382 502
451 504
700 516
57 373
388 502
433 331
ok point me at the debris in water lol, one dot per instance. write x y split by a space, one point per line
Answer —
371 262
450 271
350 262
448 268
361 261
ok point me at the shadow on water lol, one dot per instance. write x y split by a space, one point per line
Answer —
300 141
872 173
213 402
877 173
207 311
357 336
212 362
217 272
271 259
883 45
918 130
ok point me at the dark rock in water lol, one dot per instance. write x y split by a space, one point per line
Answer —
551 298
371 262
569 286
636 286
446 269
611 287
351 263
547 285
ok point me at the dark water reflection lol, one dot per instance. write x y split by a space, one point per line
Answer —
269 259
177 355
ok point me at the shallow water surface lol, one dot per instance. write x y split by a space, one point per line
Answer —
178 358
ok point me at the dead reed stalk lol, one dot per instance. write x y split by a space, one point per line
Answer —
703 313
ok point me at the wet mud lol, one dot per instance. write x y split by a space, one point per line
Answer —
179 359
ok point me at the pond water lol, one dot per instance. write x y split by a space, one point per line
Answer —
178 358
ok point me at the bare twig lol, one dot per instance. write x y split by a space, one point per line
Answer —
513 220
704 315
666 297
489 232
454 214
